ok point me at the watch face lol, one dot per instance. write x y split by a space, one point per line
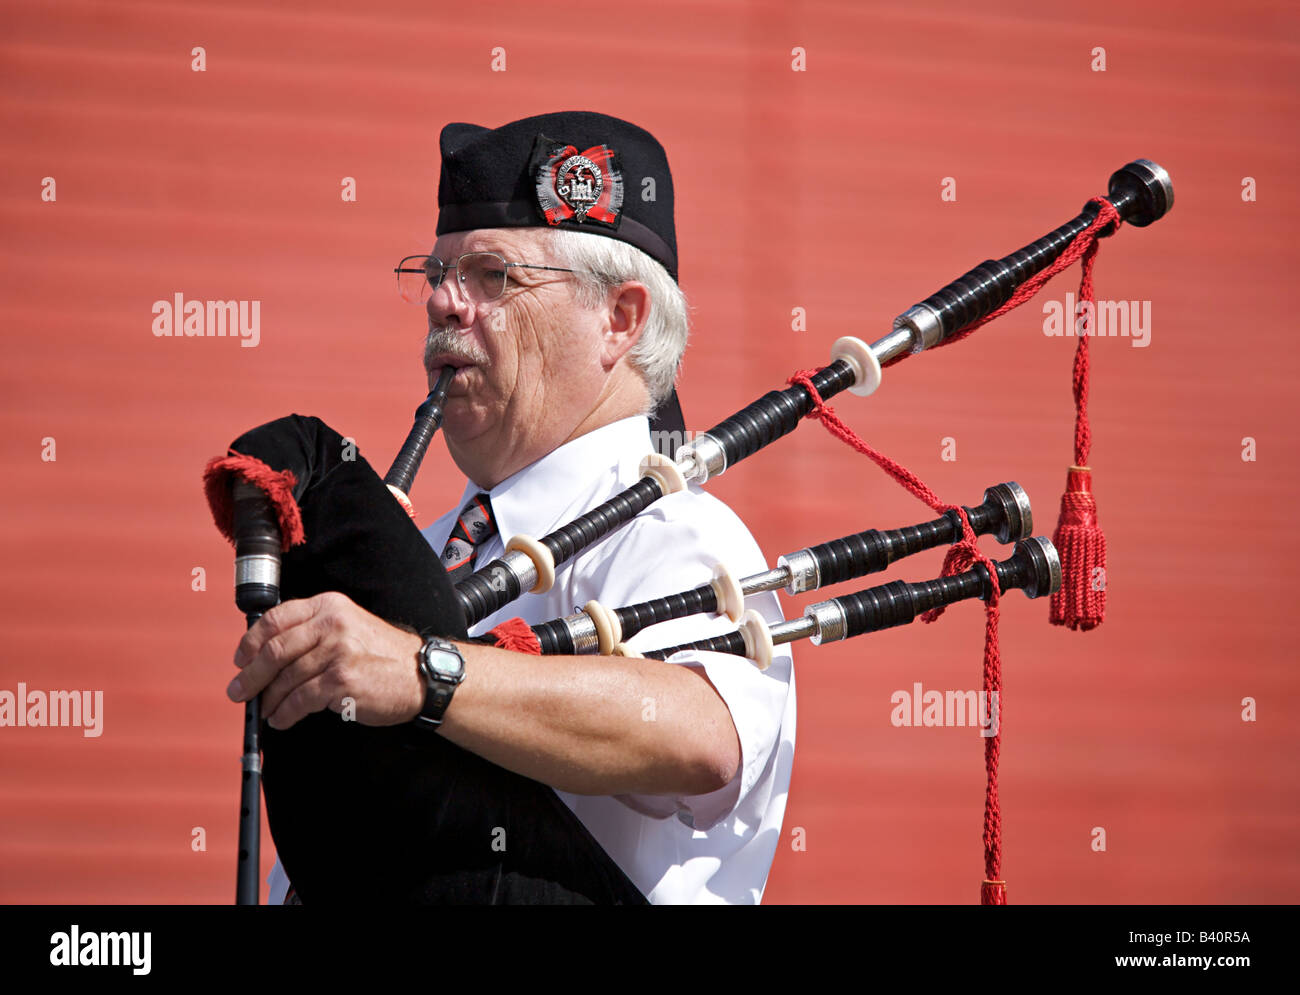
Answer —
445 663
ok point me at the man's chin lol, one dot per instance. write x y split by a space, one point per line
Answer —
462 421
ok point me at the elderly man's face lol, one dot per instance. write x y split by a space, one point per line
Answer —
529 361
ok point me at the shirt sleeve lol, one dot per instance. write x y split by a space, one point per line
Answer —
675 547
277 883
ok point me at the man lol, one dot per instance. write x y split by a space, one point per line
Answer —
552 289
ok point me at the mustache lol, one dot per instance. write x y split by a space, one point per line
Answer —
443 340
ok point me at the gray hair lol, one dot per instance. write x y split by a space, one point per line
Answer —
607 262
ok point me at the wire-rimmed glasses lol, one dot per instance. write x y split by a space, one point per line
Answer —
482 275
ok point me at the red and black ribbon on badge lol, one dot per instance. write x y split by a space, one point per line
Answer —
584 186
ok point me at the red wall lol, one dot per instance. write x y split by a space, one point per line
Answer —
817 189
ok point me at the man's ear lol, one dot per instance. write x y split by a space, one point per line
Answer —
629 310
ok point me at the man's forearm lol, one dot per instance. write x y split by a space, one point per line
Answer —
595 725
588 725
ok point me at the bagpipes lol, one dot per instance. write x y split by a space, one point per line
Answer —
366 813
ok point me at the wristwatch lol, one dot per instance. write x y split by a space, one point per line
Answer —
442 668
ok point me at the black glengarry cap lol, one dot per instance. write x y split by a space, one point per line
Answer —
574 169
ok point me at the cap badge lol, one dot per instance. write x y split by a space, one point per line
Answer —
577 186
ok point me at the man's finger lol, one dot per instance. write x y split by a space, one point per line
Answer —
312 696
309 665
280 649
283 616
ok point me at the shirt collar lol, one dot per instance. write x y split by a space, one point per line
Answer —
570 480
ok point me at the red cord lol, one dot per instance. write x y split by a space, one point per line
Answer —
1078 538
960 557
1080 602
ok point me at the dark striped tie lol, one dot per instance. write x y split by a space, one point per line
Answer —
474 527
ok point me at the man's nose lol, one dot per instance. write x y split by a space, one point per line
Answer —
448 303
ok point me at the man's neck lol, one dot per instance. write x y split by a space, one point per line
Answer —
490 459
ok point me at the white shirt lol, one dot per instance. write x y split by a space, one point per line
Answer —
714 848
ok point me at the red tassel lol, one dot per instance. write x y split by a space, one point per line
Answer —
516 634
993 892
1081 601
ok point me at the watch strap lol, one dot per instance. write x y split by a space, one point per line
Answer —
438 689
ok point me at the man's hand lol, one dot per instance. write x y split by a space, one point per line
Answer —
308 655
589 725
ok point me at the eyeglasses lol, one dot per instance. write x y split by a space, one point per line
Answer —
481 275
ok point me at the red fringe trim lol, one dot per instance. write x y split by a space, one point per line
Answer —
403 500
278 486
515 634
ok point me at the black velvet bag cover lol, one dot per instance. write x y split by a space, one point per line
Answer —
399 814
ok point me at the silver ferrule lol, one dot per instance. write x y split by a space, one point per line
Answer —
582 631
804 575
521 565
896 343
922 324
1017 516
829 617
1047 566
705 458
251 763
257 568
792 629
768 580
